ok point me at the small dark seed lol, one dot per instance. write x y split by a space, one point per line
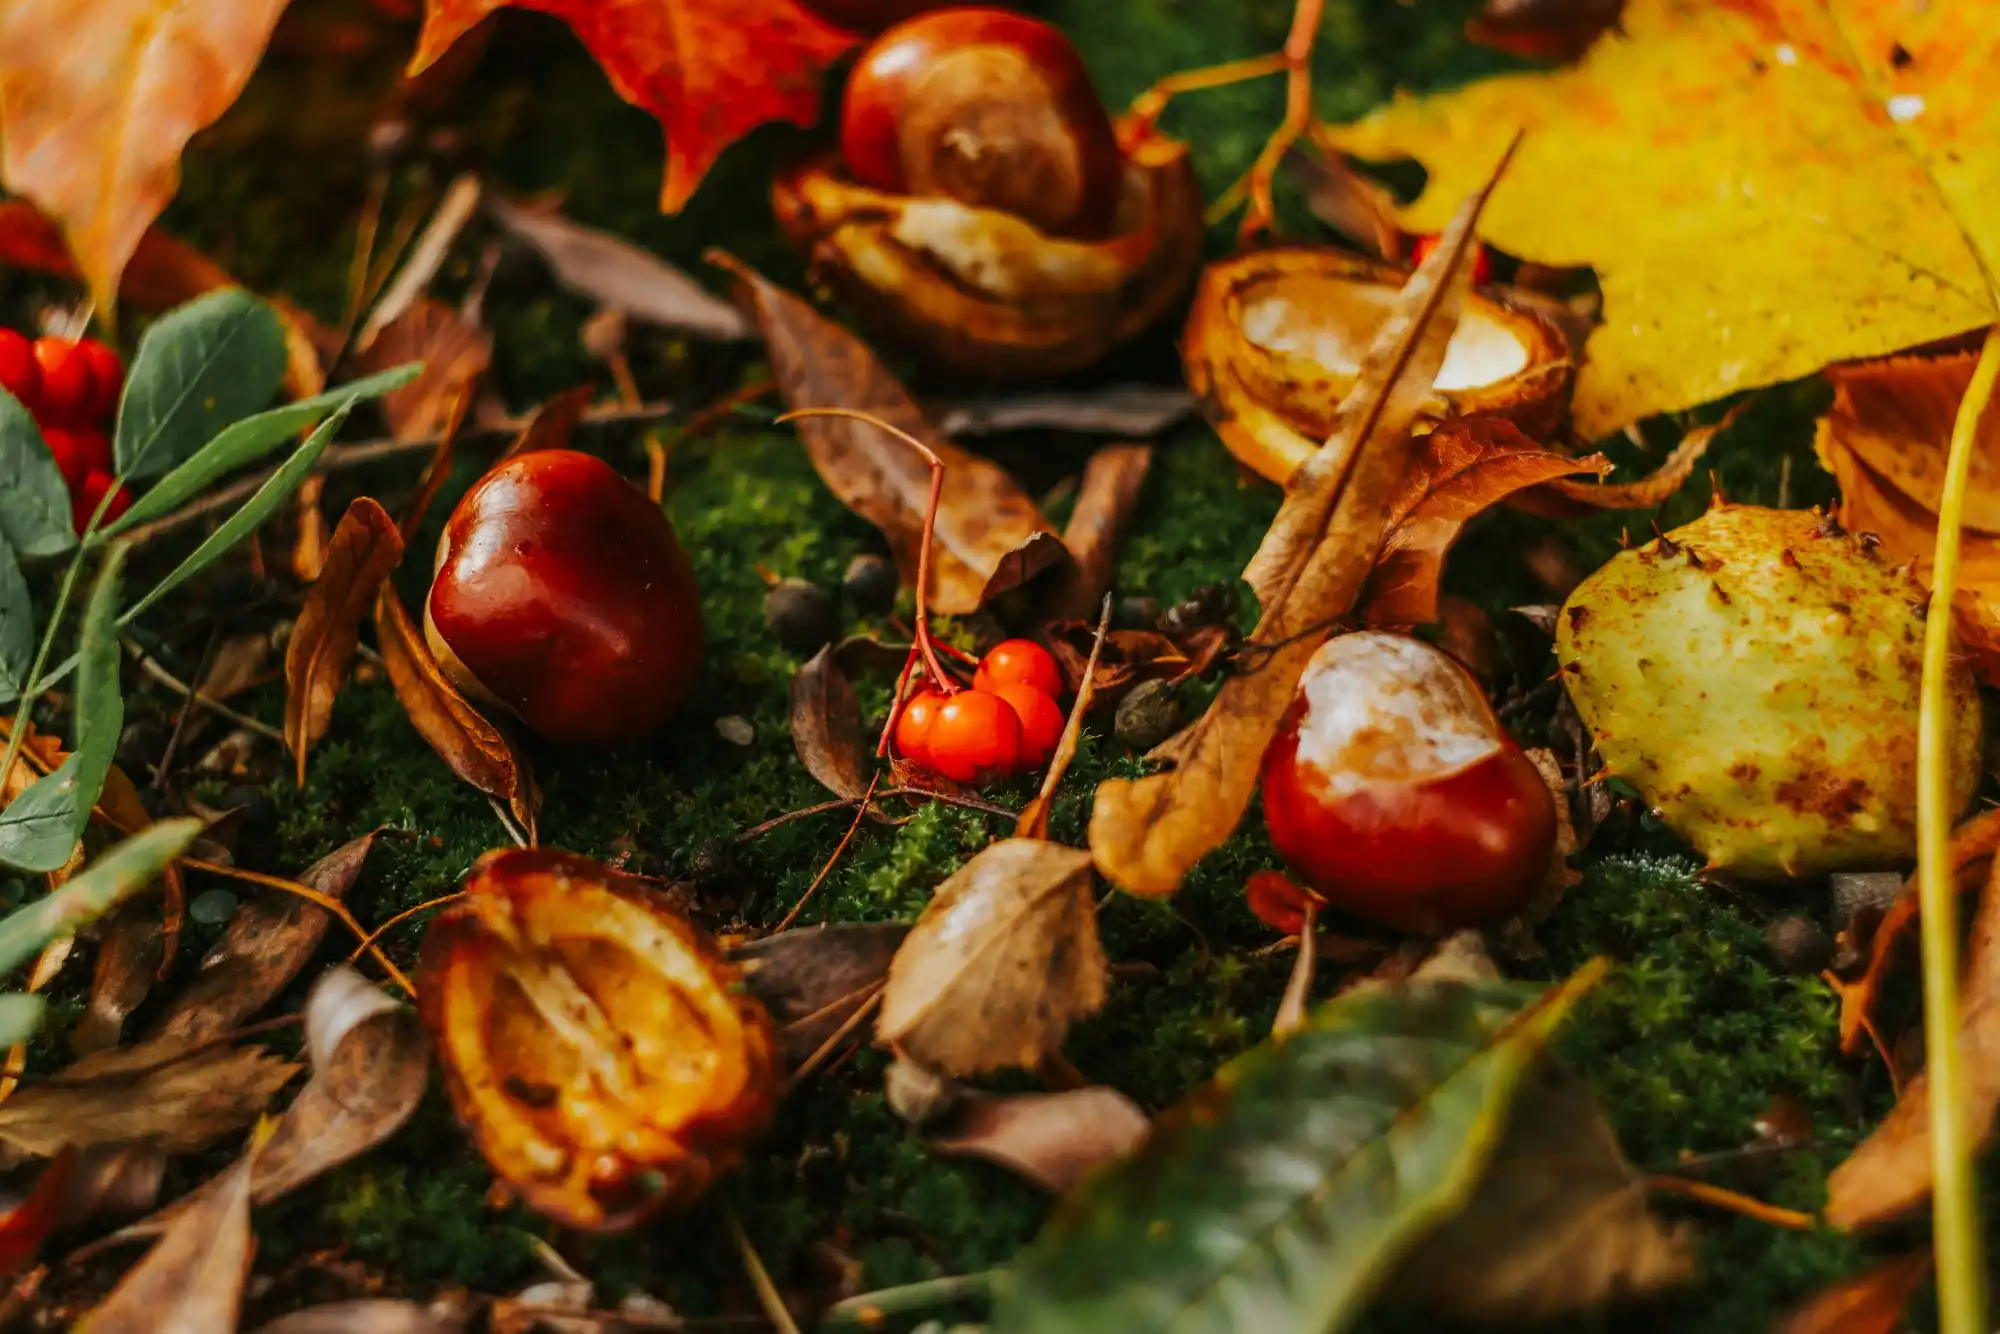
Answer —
801 615
1147 716
712 860
1797 945
871 584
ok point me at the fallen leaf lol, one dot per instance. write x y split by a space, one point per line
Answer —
812 978
1890 1172
552 425
268 940
1124 410
709 70
127 958
1456 473
1002 961
618 275
1053 1139
1132 656
426 255
26 1225
826 726
366 547
1104 506
1862 111
101 96
179 1095
1358 207
1566 498
1869 1303
988 536
1146 833
368 1315
1559 30
454 351
192 1281
474 748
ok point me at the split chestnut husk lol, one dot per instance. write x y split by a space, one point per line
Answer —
1276 337
596 1044
985 291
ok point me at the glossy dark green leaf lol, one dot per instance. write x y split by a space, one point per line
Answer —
1278 1196
34 502
200 367
249 440
17 626
38 828
119 873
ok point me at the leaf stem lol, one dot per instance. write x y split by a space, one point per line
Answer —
870 1308
33 681
1961 1272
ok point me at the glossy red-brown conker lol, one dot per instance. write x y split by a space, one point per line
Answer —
1392 789
562 593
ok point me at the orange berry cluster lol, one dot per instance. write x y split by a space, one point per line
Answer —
1009 721
71 388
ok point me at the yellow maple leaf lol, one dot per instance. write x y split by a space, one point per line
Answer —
99 97
1763 186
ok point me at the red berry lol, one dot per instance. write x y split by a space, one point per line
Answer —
1041 722
975 737
107 377
1482 262
72 455
20 373
1020 662
69 397
913 726
84 500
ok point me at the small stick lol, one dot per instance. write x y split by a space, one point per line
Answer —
812 1063
507 822
1734 1201
152 667
860 814
181 716
757 831
368 941
768 1295
1292 1010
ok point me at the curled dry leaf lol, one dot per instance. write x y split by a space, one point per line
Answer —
170 1092
454 351
1104 506
1869 1303
826 726
1566 498
1052 1139
619 275
127 958
1003 960
1308 572
812 978
989 537
1132 656
1357 206
365 548
1457 472
423 259
268 940
595 1042
367 1315
477 751
1278 338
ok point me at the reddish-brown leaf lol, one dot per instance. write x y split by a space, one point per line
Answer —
454 351
1868 1303
826 726
1052 1139
1459 471
365 548
709 70
476 750
1104 505
989 536
553 423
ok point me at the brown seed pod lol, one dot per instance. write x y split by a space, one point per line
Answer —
1276 336
987 291
595 1043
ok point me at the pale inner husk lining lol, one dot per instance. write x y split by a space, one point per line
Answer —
1333 322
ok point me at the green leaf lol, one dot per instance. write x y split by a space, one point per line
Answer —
200 367
1278 1196
21 1015
100 704
34 502
118 874
249 440
17 626
38 828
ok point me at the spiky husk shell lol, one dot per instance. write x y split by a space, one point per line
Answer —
1755 675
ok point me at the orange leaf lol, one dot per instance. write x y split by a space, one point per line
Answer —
1457 472
1868 1303
99 98
710 70
365 548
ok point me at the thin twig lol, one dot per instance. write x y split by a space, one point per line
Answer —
768 1295
757 831
1298 990
1734 1201
811 1064
368 941
860 814
152 667
310 895
181 715
507 822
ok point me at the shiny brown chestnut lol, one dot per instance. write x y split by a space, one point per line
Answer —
562 594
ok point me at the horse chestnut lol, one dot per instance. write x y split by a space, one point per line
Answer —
989 107
562 594
1392 789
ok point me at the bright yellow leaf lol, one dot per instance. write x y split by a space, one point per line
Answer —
1763 186
99 97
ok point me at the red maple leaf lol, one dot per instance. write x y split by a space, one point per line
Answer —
710 70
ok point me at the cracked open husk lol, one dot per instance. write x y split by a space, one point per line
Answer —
1276 336
981 290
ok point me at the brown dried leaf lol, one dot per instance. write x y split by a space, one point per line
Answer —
1123 410
1558 1225
1890 1172
1104 505
476 750
1146 833
1052 1139
987 528
270 938
553 423
192 1281
367 1315
365 548
812 978
617 274
826 726
455 353
1568 499
126 960
1456 473
179 1095
1003 960
1868 1303
1356 206
1132 656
